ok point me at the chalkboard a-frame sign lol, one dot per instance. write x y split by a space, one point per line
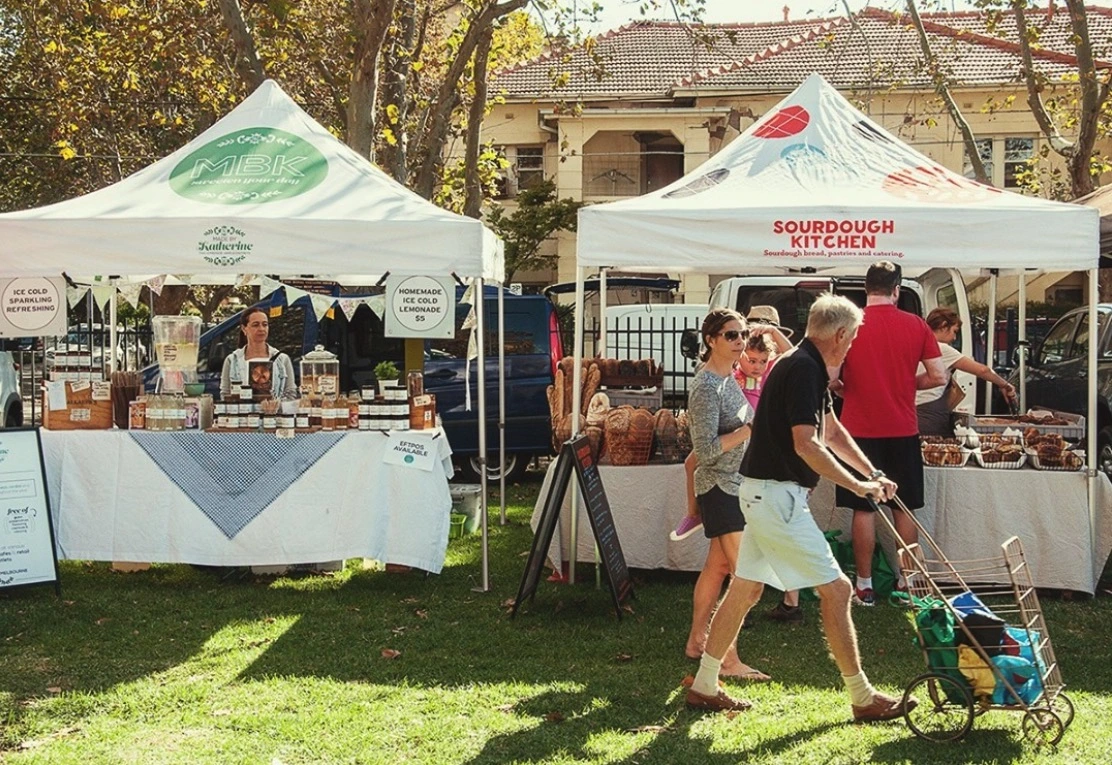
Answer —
27 554
576 455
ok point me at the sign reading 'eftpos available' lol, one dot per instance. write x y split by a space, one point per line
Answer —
32 307
420 306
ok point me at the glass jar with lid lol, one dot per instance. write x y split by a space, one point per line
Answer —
320 372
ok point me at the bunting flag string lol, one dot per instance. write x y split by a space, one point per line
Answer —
321 304
130 293
155 284
102 294
75 295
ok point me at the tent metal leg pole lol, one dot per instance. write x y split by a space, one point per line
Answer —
501 406
990 338
1022 341
1091 423
480 326
113 336
600 346
600 352
576 392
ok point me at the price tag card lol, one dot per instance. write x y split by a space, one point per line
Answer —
56 395
102 391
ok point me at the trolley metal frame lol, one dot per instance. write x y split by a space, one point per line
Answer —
1003 583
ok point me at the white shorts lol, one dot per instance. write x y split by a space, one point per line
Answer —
782 545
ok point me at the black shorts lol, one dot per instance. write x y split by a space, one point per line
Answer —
721 513
901 459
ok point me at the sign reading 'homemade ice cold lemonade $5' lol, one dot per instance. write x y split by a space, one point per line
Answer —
247 167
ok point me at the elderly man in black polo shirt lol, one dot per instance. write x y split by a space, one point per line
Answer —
796 439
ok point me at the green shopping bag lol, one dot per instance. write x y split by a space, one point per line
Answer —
937 636
884 578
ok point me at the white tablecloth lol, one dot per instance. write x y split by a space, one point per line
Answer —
110 501
968 511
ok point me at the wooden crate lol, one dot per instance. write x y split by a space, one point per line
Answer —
81 412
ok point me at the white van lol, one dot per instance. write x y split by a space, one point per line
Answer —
654 331
792 296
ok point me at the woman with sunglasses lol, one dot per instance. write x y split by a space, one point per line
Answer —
718 416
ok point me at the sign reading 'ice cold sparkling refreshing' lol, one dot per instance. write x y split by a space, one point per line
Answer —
250 166
420 306
32 307
26 532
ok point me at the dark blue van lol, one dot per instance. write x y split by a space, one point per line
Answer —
532 349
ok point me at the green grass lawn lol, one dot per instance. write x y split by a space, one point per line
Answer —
177 665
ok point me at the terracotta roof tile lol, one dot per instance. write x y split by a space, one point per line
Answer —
646 58
651 59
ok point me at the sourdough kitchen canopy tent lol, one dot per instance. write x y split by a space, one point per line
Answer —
264 190
815 182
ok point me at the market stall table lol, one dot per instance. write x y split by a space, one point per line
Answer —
241 499
970 512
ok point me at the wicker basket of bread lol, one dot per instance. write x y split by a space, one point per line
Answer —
666 437
629 436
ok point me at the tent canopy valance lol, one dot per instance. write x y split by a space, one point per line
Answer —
264 190
815 183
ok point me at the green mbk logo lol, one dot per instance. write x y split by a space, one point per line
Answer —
250 166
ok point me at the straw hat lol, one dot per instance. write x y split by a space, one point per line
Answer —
766 314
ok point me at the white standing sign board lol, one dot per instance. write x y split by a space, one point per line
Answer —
32 307
420 306
27 553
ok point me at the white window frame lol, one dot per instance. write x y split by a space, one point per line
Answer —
518 177
994 155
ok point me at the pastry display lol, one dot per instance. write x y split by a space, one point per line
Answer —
943 454
1002 453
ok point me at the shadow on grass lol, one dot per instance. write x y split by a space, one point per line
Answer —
559 735
1006 746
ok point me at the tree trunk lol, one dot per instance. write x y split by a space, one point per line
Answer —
170 300
247 63
473 187
1093 96
942 88
439 119
372 21
398 61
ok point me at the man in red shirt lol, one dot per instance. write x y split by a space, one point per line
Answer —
878 383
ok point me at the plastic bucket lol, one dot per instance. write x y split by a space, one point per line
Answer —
456 522
465 500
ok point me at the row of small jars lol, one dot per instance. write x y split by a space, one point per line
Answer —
324 413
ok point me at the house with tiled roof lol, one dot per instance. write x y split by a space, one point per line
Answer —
649 102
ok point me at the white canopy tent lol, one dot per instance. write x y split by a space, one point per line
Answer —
815 185
266 189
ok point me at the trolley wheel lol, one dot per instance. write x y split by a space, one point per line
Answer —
938 717
1043 727
1063 707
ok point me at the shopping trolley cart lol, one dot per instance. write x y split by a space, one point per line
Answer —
978 619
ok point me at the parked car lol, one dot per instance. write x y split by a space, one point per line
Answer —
92 343
655 331
1058 373
532 349
10 400
792 296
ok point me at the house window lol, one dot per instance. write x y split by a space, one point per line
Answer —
525 172
1003 158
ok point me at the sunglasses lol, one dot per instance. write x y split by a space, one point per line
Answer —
733 334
